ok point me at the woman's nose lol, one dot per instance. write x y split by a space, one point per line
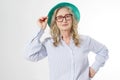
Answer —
64 19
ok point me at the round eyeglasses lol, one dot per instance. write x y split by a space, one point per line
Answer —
60 18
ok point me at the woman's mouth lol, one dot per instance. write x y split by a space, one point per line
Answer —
64 24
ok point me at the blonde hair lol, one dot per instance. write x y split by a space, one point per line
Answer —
55 32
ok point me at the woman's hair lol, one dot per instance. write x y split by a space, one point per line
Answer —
55 32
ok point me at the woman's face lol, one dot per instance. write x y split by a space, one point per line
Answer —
64 19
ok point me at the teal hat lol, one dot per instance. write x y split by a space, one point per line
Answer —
64 4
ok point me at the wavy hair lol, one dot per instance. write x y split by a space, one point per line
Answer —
55 32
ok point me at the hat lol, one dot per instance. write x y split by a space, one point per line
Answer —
64 4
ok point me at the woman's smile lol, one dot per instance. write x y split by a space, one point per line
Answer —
64 25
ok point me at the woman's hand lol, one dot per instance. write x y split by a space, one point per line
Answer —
91 72
42 22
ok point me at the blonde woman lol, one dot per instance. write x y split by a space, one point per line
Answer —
67 51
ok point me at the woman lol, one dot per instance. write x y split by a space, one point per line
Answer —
67 51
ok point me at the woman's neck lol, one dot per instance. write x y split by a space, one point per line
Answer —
66 36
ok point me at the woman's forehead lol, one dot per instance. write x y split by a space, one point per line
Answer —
63 11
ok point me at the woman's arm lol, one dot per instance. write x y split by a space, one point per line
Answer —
101 53
35 50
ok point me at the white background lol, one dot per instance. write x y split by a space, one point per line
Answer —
100 19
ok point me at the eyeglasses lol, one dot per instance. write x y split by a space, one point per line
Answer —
60 18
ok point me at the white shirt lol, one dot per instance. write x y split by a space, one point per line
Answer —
67 62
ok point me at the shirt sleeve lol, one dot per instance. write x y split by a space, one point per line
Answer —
35 50
101 53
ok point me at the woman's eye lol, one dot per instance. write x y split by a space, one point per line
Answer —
68 16
59 17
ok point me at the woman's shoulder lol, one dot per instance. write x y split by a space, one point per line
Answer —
48 40
85 38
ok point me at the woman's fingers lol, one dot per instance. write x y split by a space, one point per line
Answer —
91 72
43 19
42 22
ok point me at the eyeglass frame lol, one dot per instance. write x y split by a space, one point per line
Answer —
62 17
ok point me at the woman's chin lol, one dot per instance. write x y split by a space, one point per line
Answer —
65 29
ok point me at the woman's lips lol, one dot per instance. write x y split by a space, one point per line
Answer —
64 24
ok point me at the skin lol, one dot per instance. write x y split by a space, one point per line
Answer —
65 28
64 25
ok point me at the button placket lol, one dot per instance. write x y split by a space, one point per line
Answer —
70 48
